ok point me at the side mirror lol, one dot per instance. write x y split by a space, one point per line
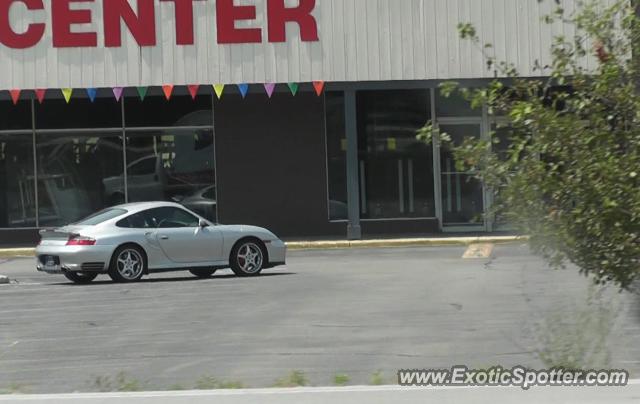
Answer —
203 223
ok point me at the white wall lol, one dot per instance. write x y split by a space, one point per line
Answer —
359 40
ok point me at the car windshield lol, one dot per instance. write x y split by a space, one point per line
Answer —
101 217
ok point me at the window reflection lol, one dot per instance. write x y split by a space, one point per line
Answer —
17 198
173 165
71 174
336 155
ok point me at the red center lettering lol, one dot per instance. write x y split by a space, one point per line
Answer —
30 37
141 26
227 14
63 18
184 21
279 15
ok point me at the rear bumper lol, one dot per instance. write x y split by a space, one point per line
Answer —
277 253
73 258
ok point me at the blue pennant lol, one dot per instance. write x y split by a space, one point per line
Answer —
244 89
92 92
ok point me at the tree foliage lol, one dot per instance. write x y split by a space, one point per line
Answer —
570 174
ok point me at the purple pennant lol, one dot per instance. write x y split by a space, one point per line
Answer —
270 88
117 92
92 92
244 89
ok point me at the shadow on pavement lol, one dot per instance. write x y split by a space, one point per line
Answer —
170 280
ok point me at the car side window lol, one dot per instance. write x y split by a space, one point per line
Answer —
136 221
169 218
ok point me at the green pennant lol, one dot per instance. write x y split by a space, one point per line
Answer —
294 88
142 92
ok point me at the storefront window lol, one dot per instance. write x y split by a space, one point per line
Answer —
17 196
336 155
15 117
174 165
455 105
74 172
396 170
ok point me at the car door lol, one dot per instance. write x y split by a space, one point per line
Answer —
183 240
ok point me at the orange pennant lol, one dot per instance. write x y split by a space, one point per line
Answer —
319 86
168 90
15 96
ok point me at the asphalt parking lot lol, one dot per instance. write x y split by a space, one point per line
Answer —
352 312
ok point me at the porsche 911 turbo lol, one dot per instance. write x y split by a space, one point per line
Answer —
130 241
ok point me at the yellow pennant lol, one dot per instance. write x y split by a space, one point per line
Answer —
219 89
66 92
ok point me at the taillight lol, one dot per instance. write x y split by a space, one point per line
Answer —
80 240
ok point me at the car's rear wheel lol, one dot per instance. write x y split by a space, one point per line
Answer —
203 273
248 258
128 264
81 278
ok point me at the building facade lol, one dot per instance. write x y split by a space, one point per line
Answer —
313 134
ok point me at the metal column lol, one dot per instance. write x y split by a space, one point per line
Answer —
354 230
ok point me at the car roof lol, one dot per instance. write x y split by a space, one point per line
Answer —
140 206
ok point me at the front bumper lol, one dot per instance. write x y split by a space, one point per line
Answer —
277 253
61 259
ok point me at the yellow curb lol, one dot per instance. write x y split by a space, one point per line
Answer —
329 245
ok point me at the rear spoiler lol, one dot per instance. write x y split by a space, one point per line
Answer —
56 235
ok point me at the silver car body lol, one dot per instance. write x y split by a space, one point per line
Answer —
165 248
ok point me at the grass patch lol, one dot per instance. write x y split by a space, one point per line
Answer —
377 379
341 380
121 382
211 383
296 378
14 388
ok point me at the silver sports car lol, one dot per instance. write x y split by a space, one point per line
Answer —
129 241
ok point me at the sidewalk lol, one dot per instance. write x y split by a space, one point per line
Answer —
342 244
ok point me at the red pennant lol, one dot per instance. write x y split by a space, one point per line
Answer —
193 90
319 86
167 89
15 96
40 92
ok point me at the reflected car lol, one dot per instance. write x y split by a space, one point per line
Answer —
146 180
203 202
130 241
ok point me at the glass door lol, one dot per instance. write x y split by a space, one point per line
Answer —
462 195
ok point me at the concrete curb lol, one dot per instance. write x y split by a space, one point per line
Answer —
342 244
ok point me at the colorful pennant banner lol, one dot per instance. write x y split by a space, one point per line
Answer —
66 93
319 86
117 92
15 96
167 89
294 88
92 92
142 92
193 90
219 90
244 89
40 93
269 88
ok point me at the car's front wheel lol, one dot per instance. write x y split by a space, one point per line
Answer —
128 264
203 273
247 258
81 278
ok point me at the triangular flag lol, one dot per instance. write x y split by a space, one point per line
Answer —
167 89
193 90
40 92
244 89
270 88
66 92
92 92
219 89
117 92
15 96
294 88
142 92
319 86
